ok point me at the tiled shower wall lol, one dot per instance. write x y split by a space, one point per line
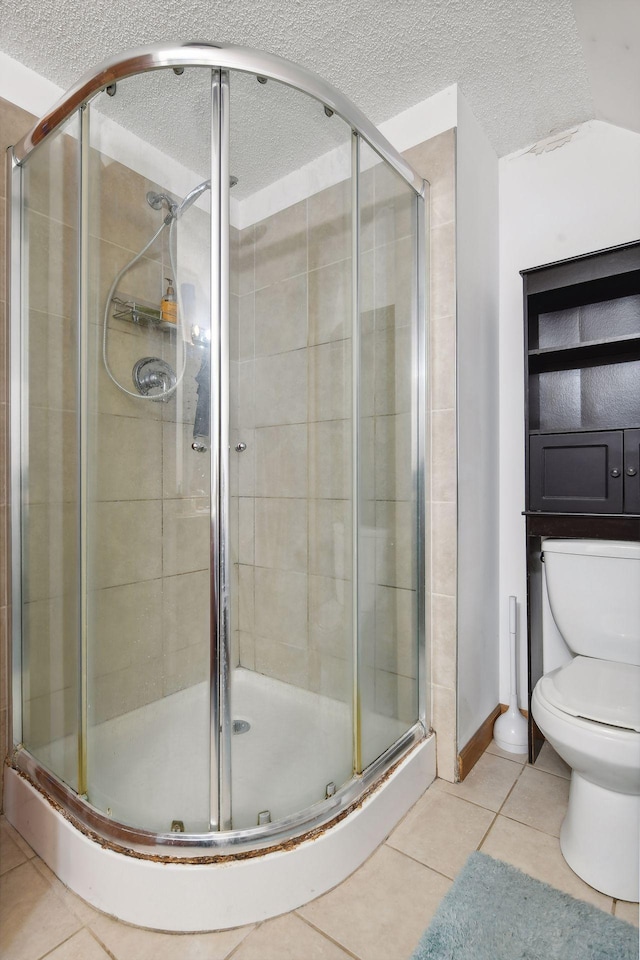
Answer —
293 616
435 159
292 297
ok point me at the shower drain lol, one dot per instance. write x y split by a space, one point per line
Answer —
241 726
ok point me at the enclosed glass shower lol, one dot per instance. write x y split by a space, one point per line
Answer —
218 419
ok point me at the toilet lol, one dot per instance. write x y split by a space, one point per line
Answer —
589 709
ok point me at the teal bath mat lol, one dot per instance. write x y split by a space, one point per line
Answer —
495 912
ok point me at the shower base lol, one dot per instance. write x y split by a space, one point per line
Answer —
297 740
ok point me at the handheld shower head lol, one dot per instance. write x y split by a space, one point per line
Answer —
192 196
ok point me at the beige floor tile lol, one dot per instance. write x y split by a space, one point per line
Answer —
538 799
75 904
627 911
441 831
487 784
538 854
382 910
549 761
32 918
81 946
17 839
10 853
288 938
496 751
133 943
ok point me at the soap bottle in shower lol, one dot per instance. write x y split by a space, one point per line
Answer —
169 306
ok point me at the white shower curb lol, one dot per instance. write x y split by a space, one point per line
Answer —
187 897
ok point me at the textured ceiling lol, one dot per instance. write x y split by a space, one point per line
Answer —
519 64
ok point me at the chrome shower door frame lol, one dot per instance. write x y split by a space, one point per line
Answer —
222 839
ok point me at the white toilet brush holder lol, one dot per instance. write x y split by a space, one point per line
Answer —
510 729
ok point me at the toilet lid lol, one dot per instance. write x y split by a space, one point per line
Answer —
600 690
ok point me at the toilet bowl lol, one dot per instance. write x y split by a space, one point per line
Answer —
589 709
600 835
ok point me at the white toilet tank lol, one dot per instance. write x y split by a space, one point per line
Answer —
594 594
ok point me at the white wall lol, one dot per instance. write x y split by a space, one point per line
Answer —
477 403
569 195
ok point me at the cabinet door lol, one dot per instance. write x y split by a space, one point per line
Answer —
576 473
632 471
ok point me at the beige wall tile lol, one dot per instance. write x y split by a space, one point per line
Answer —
129 462
245 264
247 650
435 160
51 558
393 470
280 246
281 316
53 266
330 225
443 456
281 538
392 283
393 375
329 540
185 536
123 351
184 668
330 617
246 529
396 696
395 631
126 541
395 543
336 681
50 645
443 712
281 461
444 547
330 297
52 362
244 337
119 211
281 606
394 206
281 388
442 364
113 694
443 640
291 664
50 717
185 472
330 381
330 459
442 297
246 599
125 626
53 455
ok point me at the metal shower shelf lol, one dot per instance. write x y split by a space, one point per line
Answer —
140 312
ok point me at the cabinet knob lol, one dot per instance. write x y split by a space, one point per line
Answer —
615 472
631 471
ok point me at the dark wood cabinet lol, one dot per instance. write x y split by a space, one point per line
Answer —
582 413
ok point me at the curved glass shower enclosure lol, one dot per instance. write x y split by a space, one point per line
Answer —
218 450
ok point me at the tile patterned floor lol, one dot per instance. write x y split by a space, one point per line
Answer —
505 808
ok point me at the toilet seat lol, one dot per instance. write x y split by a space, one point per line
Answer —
603 691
